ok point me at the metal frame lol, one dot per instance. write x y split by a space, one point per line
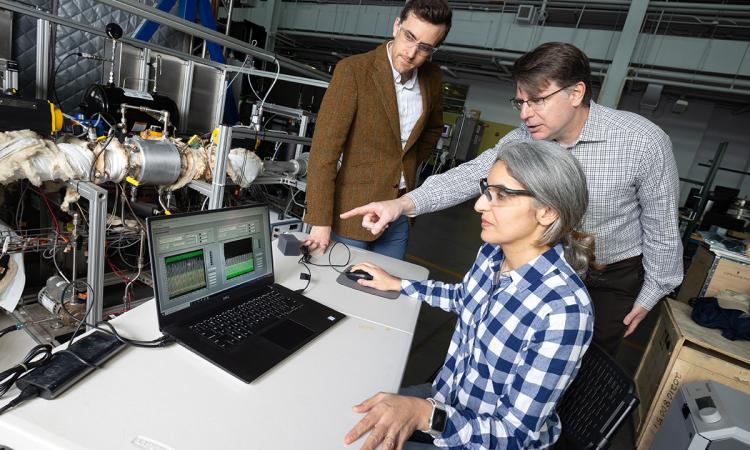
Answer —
220 171
43 53
97 197
304 118
190 28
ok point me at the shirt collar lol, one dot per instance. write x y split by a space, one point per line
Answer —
535 269
397 76
592 130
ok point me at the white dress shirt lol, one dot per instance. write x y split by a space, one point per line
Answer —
409 100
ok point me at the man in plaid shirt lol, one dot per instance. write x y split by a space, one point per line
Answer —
632 180
525 318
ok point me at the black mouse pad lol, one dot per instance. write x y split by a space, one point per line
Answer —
343 280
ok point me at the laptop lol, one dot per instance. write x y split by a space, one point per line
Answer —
215 291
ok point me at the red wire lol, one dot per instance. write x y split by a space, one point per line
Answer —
117 271
51 213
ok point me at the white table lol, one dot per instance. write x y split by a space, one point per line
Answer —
169 398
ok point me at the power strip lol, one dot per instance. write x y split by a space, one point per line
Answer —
64 369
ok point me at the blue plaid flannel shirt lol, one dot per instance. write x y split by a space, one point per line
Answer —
517 346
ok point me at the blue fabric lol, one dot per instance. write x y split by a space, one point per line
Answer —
391 243
733 323
517 346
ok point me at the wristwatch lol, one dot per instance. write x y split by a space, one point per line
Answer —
438 419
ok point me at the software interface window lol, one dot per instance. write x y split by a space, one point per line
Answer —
198 258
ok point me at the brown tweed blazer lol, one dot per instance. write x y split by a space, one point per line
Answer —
358 121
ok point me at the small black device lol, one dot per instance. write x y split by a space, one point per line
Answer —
113 30
358 275
215 291
66 369
289 245
39 116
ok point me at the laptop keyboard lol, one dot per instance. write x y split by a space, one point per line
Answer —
234 325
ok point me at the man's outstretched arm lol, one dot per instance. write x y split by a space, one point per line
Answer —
377 215
437 192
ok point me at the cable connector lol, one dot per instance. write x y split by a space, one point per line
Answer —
90 56
166 340
27 393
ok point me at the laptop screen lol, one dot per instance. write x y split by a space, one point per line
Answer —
198 255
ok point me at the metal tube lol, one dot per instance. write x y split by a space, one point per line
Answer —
43 52
97 198
692 85
220 171
140 268
689 76
229 16
281 76
667 5
190 28
677 6
74 241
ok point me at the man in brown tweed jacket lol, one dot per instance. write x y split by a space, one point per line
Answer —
382 115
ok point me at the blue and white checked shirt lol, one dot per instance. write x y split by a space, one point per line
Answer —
517 346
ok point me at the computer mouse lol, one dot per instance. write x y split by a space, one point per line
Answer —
358 274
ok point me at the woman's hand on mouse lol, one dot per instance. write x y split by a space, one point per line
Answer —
381 280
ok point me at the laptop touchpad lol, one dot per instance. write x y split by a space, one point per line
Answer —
288 334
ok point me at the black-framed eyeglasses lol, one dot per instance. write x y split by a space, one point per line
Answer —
496 193
536 103
425 49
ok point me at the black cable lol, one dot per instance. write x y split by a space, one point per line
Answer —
54 78
330 263
37 356
158 342
10 329
306 257
303 260
27 393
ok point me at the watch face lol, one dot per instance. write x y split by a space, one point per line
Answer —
439 418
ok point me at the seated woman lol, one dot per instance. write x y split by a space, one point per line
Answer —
525 317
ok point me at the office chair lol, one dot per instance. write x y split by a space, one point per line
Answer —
598 401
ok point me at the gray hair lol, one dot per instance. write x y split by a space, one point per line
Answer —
555 178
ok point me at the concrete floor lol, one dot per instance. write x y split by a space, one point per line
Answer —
446 242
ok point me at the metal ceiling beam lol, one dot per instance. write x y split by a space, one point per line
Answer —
704 87
615 78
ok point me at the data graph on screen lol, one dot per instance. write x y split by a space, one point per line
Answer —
186 273
238 257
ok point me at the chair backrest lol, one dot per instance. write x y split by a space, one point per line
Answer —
598 401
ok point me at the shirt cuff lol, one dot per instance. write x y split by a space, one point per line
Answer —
649 296
420 200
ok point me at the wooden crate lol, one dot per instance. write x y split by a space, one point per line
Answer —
681 351
712 271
